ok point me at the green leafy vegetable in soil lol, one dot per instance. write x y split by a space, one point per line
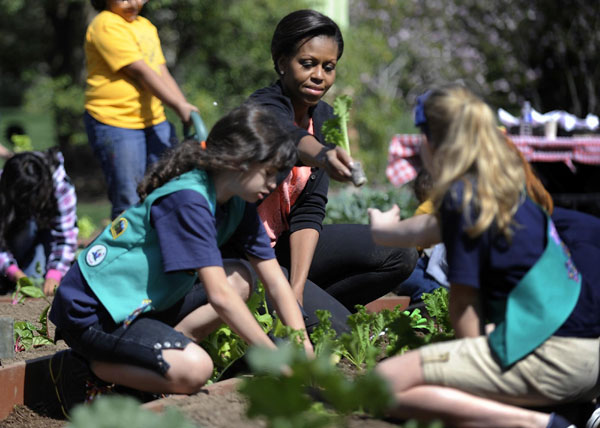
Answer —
335 130
374 336
417 330
225 347
27 335
313 393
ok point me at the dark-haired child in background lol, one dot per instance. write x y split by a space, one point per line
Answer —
431 268
38 232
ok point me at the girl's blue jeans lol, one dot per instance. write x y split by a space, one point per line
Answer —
31 248
125 154
418 282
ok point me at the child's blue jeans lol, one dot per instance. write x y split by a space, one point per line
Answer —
125 154
418 282
31 248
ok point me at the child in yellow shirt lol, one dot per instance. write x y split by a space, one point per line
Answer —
127 84
430 271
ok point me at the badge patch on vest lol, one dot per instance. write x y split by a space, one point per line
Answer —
95 255
118 227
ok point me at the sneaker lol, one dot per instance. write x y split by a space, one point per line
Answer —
594 420
557 421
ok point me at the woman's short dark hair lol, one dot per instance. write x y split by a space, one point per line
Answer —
299 26
99 5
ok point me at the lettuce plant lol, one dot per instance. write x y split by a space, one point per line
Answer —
27 335
335 130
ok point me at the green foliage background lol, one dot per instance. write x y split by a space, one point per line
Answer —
219 52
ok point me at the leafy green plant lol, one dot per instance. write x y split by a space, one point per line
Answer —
398 330
335 130
361 345
415 330
21 143
312 393
114 411
86 226
323 336
436 304
27 335
225 346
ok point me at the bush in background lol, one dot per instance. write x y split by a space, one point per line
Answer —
349 205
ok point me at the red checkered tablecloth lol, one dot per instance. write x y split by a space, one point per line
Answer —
404 160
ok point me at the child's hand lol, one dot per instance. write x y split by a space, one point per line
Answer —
378 219
50 285
382 223
308 348
184 111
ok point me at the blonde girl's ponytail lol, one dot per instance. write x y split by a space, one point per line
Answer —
468 146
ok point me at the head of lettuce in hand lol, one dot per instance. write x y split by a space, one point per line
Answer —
335 131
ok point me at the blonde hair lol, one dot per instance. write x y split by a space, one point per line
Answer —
466 142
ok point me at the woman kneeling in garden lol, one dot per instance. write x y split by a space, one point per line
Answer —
132 306
531 277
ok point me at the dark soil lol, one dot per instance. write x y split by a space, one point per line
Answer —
229 410
23 417
29 310
205 410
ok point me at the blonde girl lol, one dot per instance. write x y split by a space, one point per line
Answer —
509 264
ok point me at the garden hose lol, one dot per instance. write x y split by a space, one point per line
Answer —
197 129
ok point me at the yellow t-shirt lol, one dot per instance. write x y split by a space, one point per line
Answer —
111 97
425 208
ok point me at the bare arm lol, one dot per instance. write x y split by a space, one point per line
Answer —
231 308
4 152
302 249
464 311
161 87
419 231
335 161
280 292
167 77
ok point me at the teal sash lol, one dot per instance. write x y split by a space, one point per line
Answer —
124 266
539 304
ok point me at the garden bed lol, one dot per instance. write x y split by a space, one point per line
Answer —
30 399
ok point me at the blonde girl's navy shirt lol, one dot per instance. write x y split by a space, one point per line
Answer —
495 266
187 235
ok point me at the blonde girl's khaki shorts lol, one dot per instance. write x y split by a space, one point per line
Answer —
562 369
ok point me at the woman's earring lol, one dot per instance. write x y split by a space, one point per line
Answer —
281 72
